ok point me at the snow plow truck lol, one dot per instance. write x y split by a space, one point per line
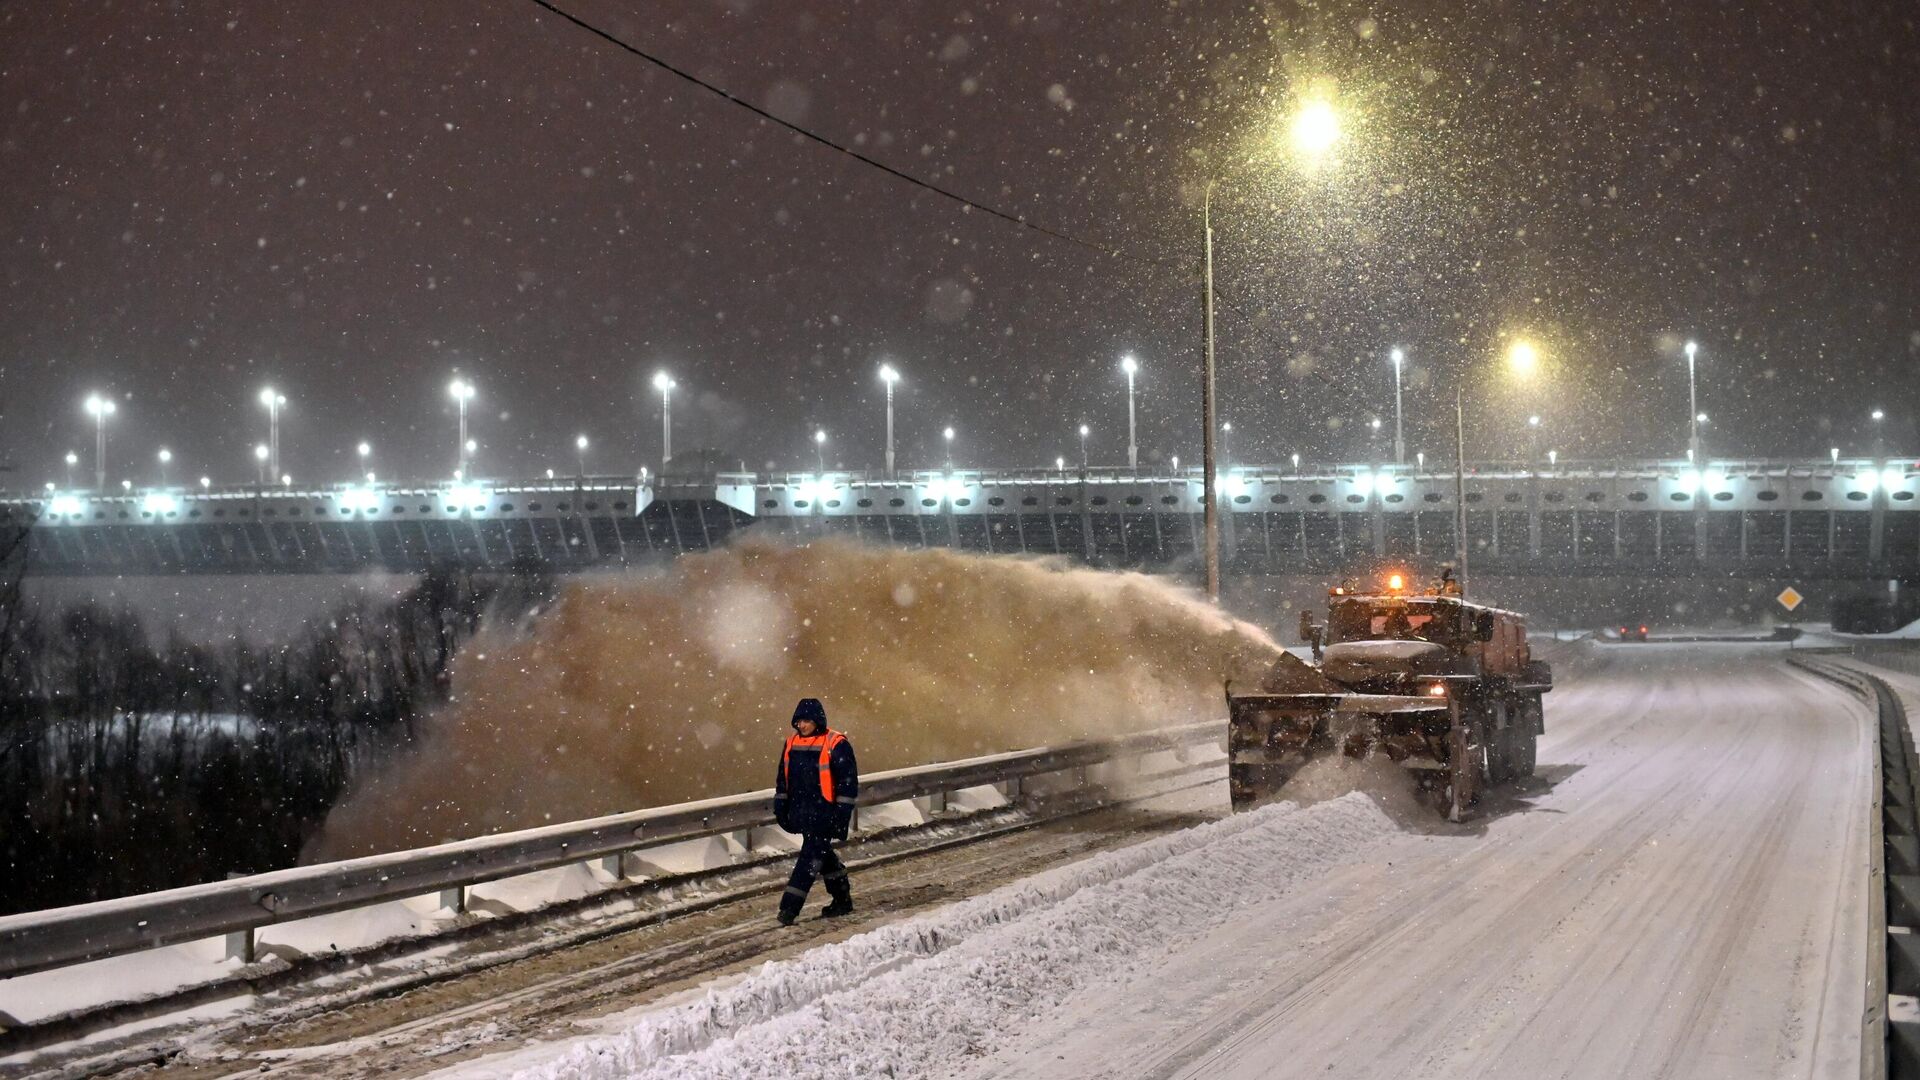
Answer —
1441 687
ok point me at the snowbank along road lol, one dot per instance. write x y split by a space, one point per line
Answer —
1680 894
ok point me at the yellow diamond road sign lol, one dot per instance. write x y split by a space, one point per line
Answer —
1789 598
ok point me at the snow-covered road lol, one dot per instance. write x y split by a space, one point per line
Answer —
1680 894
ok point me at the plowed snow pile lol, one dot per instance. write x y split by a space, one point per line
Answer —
925 996
642 692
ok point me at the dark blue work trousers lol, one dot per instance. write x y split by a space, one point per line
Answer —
817 860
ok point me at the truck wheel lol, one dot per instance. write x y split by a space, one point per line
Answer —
1526 742
1500 742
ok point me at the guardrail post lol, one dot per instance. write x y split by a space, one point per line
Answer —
454 901
1010 789
929 805
240 945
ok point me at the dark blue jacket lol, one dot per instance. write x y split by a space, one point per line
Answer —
810 800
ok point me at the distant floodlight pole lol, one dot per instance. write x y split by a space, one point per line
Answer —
1460 490
273 401
166 458
580 450
1226 440
365 452
1207 419
260 453
1693 406
1399 428
948 435
72 460
889 376
462 392
1132 367
820 449
1879 434
100 408
664 383
1060 464
1083 447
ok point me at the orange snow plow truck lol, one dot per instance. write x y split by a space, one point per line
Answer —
1444 688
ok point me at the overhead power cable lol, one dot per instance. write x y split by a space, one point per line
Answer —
1019 220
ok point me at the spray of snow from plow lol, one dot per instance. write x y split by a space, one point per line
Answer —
932 992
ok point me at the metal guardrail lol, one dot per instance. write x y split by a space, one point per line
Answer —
42 940
1889 1049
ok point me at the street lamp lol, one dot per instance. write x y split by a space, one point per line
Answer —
1226 440
1176 464
1833 455
1060 464
260 462
948 435
1399 430
100 408
820 449
1083 448
206 482
1313 132
889 376
365 452
1693 405
664 383
462 392
1879 440
1533 437
166 458
580 450
273 401
72 460
1132 367
1375 440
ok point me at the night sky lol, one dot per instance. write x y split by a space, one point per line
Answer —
352 201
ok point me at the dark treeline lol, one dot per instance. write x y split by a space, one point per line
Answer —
129 764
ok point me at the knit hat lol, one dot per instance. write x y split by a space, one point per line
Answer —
810 709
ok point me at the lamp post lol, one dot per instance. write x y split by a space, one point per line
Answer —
580 451
100 408
166 458
947 434
365 453
1879 434
1132 367
1060 464
462 392
664 383
1226 440
1314 130
72 460
820 450
1693 406
1399 428
260 462
889 376
1533 437
1083 448
1373 442
273 401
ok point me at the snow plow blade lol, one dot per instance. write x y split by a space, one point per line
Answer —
1270 736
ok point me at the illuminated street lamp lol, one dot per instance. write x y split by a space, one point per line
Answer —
580 450
820 449
948 436
206 482
889 376
1879 434
273 401
72 460
1833 455
1312 133
1373 442
1399 430
166 458
1060 464
260 462
664 383
1226 440
1083 448
365 453
99 408
462 392
1533 437
1132 367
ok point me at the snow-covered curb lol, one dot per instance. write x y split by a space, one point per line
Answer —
937 990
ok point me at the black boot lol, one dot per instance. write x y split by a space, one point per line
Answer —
787 917
842 894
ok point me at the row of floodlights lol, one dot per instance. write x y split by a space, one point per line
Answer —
357 500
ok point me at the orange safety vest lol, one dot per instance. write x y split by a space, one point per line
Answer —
826 741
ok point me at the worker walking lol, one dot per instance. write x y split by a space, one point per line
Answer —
813 796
